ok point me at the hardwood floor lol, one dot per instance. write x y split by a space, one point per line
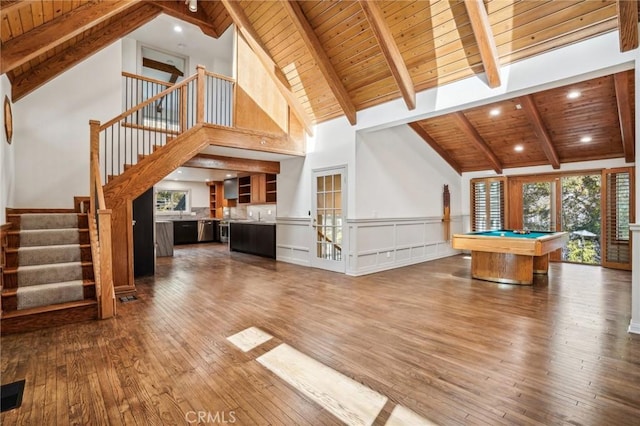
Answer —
451 349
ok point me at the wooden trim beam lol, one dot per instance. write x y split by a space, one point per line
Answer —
161 66
621 84
207 161
323 62
484 39
540 130
20 50
474 137
627 24
126 22
436 147
178 9
390 51
247 31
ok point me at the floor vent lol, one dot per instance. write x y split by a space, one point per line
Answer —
11 395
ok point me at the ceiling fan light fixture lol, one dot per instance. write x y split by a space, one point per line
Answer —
193 5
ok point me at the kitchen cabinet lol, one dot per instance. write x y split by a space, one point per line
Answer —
217 200
244 189
253 238
260 188
185 232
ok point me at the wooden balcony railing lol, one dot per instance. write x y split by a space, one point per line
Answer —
157 112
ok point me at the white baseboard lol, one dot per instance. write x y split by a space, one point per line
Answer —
634 327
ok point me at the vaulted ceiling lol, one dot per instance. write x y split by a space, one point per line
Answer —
334 58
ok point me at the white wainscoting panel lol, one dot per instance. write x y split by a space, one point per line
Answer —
381 244
293 239
634 324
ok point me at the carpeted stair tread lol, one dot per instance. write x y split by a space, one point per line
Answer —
47 237
48 221
41 255
50 294
50 273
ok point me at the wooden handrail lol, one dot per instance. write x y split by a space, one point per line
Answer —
219 76
143 78
148 102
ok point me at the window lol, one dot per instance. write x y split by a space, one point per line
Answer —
618 213
173 201
487 204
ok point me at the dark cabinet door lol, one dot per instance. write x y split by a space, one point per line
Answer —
185 232
144 254
253 239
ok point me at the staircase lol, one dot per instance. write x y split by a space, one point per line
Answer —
48 276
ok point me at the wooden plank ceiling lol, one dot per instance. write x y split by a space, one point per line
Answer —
339 57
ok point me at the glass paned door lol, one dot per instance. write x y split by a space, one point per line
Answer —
581 218
538 206
328 220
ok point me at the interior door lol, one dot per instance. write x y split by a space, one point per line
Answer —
328 219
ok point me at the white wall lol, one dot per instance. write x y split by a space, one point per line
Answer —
52 123
199 191
7 170
400 175
333 145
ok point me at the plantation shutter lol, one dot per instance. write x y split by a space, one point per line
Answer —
617 215
487 204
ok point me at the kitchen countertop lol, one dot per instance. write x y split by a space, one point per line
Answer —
252 222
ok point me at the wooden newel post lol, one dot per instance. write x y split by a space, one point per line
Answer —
446 219
94 147
200 94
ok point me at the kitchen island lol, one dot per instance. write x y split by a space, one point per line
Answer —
253 237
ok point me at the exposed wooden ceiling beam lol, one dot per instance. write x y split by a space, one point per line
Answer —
484 39
627 24
207 161
253 40
477 141
161 66
436 147
621 83
322 59
178 9
126 22
44 38
529 108
390 51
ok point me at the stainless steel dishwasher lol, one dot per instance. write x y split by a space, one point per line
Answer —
205 231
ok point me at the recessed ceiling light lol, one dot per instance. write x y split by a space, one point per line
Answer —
206 180
494 112
586 139
518 148
176 179
228 175
574 94
177 28
179 171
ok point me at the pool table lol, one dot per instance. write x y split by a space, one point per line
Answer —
508 257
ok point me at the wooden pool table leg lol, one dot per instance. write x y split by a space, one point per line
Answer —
541 264
502 267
